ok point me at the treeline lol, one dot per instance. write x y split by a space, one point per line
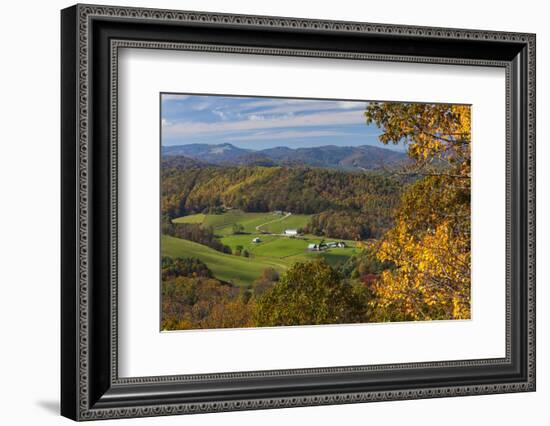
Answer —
183 266
365 197
349 225
194 232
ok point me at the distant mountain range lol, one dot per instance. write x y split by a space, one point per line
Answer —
345 157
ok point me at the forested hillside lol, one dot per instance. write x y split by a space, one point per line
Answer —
352 205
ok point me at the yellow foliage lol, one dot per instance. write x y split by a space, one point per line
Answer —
429 245
432 275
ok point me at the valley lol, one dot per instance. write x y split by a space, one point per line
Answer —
261 242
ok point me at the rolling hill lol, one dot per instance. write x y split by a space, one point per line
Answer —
345 157
226 267
215 154
269 251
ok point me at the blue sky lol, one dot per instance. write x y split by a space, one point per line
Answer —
259 123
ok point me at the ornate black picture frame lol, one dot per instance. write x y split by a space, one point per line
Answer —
91 36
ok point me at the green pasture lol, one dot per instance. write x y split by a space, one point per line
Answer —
194 218
223 223
236 269
267 222
333 256
282 247
274 249
294 221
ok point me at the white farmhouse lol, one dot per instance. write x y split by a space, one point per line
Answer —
291 232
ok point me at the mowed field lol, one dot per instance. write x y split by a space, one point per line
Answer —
274 250
253 223
235 269
278 226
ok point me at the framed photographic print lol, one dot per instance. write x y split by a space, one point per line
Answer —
263 212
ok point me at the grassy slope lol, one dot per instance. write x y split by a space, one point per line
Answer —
274 251
332 256
239 270
194 218
284 247
223 223
249 221
287 248
245 240
295 221
218 221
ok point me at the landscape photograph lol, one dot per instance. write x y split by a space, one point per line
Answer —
291 212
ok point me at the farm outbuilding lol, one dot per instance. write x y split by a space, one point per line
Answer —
291 232
256 240
336 244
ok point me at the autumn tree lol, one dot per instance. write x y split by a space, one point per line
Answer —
190 302
310 293
429 244
183 266
265 281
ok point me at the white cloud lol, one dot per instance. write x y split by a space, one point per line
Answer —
315 119
272 103
289 106
351 105
256 117
285 135
220 114
201 107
